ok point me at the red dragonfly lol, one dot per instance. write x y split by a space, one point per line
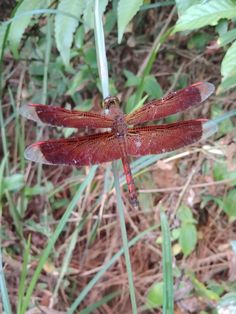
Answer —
124 137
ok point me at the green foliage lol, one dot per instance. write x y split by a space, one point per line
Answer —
202 290
208 13
126 11
194 16
221 172
152 87
226 38
225 126
229 204
3 29
188 231
198 41
13 183
228 67
88 16
21 21
168 282
155 295
65 26
183 5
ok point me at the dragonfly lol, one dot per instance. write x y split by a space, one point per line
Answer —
121 136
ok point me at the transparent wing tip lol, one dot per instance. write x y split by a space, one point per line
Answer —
29 112
33 153
206 89
208 129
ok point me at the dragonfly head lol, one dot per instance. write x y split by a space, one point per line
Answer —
111 105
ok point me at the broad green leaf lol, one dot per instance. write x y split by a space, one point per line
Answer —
188 238
227 38
155 295
89 12
132 79
229 204
126 11
198 41
228 65
222 27
227 84
152 87
185 214
208 13
65 26
183 5
19 24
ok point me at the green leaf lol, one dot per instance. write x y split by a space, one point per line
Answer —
183 5
155 295
221 172
226 84
188 238
132 79
3 28
229 204
79 37
65 26
152 87
185 214
89 12
208 13
19 24
167 264
14 182
39 189
202 290
227 38
198 41
228 65
126 11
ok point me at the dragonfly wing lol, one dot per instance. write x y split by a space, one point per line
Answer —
58 116
81 151
165 138
174 102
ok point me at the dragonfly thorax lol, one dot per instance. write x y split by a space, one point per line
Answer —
112 109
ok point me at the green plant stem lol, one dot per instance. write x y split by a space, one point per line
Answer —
103 73
168 290
125 240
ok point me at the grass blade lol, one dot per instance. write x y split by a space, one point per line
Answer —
3 289
168 293
103 73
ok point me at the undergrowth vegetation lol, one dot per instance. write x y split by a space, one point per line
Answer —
63 246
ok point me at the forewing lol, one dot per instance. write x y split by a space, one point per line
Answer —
57 116
175 102
165 138
81 151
